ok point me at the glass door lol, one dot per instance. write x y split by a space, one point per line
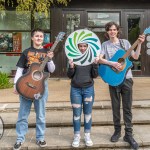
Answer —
134 27
72 21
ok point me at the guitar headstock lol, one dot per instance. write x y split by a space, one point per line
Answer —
60 36
147 31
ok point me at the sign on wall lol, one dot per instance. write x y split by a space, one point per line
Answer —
10 42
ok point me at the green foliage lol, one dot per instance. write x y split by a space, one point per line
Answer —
5 81
2 5
40 6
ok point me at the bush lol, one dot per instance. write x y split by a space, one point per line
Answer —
5 81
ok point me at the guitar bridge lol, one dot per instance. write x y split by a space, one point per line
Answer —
30 85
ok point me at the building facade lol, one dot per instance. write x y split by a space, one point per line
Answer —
133 17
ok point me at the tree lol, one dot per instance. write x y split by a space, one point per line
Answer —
40 6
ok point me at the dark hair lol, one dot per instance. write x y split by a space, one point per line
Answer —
107 27
36 30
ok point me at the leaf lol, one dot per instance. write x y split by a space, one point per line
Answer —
39 6
5 81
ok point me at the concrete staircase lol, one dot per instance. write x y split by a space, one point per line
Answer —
59 132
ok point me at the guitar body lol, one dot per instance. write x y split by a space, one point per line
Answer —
111 76
31 85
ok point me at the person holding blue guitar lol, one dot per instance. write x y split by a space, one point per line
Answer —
124 90
34 54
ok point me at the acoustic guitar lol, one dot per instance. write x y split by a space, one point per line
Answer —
31 85
111 75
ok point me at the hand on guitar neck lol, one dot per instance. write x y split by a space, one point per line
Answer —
141 39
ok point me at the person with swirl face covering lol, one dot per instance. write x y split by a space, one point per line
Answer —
35 53
82 95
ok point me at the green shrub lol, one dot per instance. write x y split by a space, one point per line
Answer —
5 81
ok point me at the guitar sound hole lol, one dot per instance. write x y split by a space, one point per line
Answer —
121 60
37 75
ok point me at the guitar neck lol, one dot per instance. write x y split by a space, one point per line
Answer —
130 49
47 58
53 46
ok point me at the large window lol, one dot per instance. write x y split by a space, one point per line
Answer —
15 35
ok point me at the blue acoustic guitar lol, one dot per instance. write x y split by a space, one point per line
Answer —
111 75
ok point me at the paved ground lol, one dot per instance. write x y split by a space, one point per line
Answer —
59 132
59 90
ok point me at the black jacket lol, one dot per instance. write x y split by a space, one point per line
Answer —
82 76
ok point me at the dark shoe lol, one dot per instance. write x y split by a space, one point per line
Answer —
115 137
17 146
131 141
41 143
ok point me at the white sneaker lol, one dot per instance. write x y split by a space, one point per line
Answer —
76 140
87 139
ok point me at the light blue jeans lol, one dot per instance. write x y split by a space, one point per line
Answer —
24 111
82 97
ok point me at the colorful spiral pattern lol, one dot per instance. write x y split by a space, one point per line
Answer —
82 36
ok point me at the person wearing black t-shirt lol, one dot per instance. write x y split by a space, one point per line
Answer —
36 53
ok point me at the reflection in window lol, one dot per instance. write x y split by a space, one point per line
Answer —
100 32
133 33
46 38
26 40
41 21
100 19
10 20
73 20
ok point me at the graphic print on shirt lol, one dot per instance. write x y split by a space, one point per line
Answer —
35 57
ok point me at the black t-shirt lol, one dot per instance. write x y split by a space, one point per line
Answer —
32 55
82 76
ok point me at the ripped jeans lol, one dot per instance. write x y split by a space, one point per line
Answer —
82 97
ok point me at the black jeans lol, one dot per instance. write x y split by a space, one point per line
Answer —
124 92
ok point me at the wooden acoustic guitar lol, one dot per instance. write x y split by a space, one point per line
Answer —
31 85
111 75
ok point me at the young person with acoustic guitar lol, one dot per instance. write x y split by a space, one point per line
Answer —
35 53
124 91
82 94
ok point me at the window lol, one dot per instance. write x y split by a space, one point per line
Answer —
41 21
73 20
15 36
10 20
101 18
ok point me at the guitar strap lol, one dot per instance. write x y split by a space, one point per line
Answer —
122 43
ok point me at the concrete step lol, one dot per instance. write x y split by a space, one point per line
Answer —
61 138
60 118
12 107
